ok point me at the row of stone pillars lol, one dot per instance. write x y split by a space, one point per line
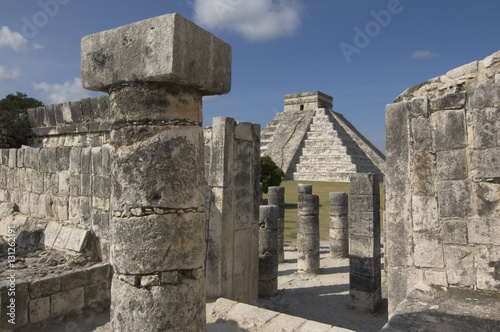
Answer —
354 233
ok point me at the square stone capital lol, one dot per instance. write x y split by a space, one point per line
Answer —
164 49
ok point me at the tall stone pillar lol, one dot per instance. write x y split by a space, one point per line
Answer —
364 242
276 196
156 72
268 250
307 230
339 225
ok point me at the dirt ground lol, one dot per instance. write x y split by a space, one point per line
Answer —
323 298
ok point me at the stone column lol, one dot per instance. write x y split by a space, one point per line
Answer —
364 242
156 72
308 230
268 250
339 225
305 189
276 196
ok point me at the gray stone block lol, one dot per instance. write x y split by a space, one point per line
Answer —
20 158
484 95
364 203
419 106
305 189
487 261
364 223
454 198
198 59
485 164
448 102
12 158
364 184
154 310
63 160
44 287
421 138
67 301
77 239
424 211
365 274
74 279
486 122
49 115
308 205
455 232
364 246
484 231
136 253
460 266
448 130
39 309
98 293
146 180
63 237
428 250
51 232
86 161
451 165
423 175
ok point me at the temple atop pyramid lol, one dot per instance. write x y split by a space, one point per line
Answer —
310 142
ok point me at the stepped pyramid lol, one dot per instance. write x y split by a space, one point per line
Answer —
310 142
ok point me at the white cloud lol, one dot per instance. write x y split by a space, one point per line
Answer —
12 39
59 93
37 46
423 54
9 75
255 20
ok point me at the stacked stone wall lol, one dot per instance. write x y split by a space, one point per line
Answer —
443 182
64 176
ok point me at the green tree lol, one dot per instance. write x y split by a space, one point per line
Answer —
13 110
270 173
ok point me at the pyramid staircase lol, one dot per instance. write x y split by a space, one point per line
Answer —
329 154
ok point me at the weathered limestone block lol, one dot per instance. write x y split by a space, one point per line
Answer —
421 135
455 232
161 49
485 164
448 102
276 196
460 266
308 231
451 165
428 250
448 130
156 72
485 127
424 211
454 198
488 268
339 225
364 243
423 172
268 250
169 242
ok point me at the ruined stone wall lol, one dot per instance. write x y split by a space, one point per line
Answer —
64 175
232 172
443 182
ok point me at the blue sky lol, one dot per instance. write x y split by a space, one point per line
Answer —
362 52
